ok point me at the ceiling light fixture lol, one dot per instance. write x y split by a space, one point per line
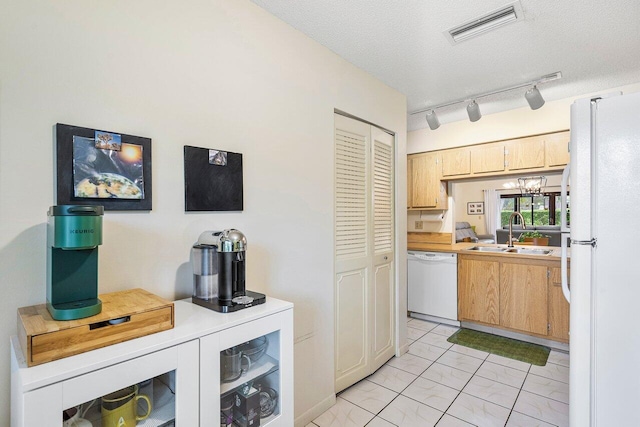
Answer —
473 110
533 97
432 119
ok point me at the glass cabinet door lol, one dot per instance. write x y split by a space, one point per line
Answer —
155 389
246 374
250 382
148 403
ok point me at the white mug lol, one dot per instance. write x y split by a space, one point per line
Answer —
75 420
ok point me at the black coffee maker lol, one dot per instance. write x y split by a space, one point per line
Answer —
218 260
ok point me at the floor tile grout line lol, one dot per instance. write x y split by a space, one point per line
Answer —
485 358
546 397
518 396
531 416
547 378
459 391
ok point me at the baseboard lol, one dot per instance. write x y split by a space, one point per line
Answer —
434 319
315 412
403 350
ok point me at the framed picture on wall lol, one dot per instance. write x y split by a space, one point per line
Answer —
95 167
212 180
475 208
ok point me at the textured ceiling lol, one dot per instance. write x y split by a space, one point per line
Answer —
595 44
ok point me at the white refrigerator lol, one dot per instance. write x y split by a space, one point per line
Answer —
604 258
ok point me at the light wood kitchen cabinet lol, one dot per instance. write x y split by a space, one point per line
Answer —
478 290
556 149
487 158
525 153
456 162
523 297
519 294
428 192
558 307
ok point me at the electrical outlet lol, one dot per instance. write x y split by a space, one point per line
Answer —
418 225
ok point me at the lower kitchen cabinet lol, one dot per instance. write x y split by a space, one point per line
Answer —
177 377
478 290
558 307
523 297
518 294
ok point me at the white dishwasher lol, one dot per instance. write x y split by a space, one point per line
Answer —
433 285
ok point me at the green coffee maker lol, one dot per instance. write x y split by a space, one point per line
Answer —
73 235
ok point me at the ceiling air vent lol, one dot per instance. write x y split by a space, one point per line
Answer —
488 22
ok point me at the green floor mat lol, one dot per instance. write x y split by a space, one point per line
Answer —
507 347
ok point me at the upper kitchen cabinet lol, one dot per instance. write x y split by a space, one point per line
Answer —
531 154
487 158
456 162
428 192
525 153
556 149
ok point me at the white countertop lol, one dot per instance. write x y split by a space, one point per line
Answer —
191 322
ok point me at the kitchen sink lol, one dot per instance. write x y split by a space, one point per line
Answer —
507 250
530 251
488 248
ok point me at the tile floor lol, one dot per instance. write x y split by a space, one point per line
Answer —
441 384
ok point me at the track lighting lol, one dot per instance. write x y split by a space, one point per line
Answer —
534 98
473 110
532 95
432 119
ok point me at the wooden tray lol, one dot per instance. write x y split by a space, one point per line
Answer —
43 339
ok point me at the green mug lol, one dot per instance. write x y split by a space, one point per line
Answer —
120 408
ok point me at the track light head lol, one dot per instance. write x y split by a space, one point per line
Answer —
534 98
432 119
473 110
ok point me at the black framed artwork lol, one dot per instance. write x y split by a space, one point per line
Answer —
475 208
95 167
212 180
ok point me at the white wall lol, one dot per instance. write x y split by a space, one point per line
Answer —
217 74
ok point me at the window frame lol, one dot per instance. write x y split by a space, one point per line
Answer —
550 195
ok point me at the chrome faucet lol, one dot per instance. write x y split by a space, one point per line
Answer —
516 213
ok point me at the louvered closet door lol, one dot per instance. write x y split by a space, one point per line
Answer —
364 287
383 302
352 242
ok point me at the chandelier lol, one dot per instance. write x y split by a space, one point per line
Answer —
532 185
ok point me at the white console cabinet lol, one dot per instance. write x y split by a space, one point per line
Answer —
179 370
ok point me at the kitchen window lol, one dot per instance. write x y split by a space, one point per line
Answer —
539 209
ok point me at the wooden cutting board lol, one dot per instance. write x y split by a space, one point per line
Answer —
125 315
